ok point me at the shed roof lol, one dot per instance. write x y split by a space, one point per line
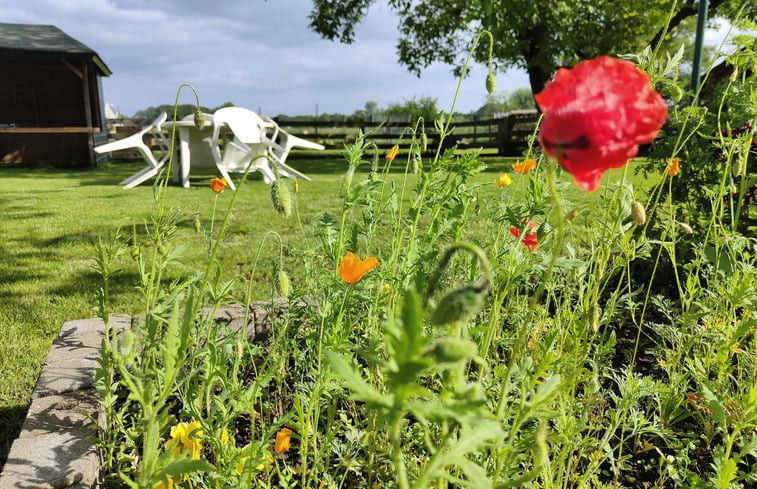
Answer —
46 38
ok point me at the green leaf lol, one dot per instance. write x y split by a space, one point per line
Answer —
183 466
360 389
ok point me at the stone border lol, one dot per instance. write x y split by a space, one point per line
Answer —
53 450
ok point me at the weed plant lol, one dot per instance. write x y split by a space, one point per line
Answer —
519 340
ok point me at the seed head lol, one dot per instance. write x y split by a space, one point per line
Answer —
491 83
281 198
638 213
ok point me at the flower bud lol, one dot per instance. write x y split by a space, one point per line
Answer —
540 445
199 120
459 305
491 83
162 249
424 141
737 167
281 198
595 317
198 225
281 282
416 163
685 228
296 186
734 74
453 350
675 92
638 213
135 252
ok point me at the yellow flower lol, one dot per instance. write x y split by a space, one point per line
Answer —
673 166
218 185
351 268
225 437
171 482
282 440
392 153
504 180
185 439
523 167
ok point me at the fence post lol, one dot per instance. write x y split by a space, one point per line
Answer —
475 125
502 134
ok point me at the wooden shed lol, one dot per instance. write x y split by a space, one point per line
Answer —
51 104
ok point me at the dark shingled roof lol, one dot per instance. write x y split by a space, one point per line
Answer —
45 38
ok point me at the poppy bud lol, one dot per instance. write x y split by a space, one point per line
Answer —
675 92
734 74
540 445
685 228
424 142
453 350
281 198
199 120
240 350
135 252
638 214
491 83
296 186
459 305
281 283
198 225
162 249
416 162
737 168
595 317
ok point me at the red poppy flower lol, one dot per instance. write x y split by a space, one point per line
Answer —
596 115
530 240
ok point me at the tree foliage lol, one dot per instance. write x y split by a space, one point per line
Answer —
536 37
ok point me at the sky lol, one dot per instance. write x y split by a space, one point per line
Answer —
255 53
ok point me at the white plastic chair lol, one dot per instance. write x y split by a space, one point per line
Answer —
253 142
284 144
135 141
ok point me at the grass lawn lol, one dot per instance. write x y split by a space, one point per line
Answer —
51 218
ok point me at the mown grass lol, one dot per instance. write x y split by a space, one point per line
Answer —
52 218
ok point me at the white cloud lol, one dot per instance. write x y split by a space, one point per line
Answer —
254 53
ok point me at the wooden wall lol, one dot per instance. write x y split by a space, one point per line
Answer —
45 116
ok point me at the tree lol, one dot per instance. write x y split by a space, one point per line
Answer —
502 101
424 107
538 37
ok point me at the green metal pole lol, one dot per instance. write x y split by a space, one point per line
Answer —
699 45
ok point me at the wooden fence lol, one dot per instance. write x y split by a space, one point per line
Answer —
507 136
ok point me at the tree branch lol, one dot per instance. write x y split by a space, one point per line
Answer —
687 10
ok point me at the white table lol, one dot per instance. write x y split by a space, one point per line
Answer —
194 147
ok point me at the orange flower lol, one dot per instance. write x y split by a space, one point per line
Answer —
504 180
523 167
351 268
218 185
392 153
282 440
673 167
